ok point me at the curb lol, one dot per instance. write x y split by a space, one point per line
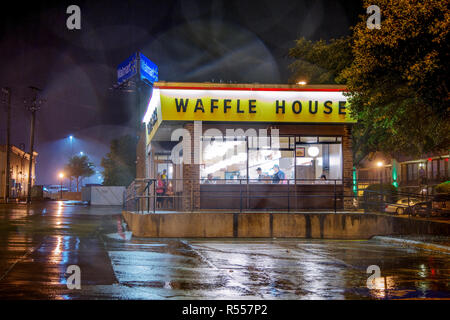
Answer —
414 244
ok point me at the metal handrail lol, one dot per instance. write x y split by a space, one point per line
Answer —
139 196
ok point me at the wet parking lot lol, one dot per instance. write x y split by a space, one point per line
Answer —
39 242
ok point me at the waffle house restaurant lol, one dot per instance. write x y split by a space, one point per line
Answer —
248 146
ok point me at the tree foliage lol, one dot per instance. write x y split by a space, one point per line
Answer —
396 76
398 80
320 61
78 168
120 163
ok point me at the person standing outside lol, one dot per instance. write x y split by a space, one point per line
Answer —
160 191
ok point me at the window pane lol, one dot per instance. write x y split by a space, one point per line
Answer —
327 139
442 171
404 176
435 168
284 142
165 170
317 161
276 166
415 167
223 162
308 139
291 142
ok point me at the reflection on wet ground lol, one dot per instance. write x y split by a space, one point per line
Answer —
38 243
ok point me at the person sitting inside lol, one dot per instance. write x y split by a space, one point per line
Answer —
278 177
260 174
209 179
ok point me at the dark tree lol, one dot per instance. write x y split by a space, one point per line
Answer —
396 76
120 163
398 80
318 62
78 168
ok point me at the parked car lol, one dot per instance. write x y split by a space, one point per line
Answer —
441 204
54 188
423 209
402 206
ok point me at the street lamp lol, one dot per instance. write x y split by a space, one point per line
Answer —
71 145
302 83
81 153
61 176
379 165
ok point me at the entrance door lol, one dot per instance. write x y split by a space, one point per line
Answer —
165 169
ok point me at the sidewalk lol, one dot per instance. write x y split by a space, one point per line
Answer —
426 242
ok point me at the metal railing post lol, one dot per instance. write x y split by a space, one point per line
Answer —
154 196
289 196
148 197
240 195
382 196
335 199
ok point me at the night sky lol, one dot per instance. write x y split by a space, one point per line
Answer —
239 41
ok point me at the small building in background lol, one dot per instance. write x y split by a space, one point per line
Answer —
410 174
19 163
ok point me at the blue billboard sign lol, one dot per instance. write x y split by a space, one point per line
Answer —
148 70
127 69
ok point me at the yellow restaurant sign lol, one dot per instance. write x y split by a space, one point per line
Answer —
261 106
297 106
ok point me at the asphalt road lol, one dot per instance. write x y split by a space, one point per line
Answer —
39 242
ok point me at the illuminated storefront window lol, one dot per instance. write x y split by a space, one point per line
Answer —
318 158
283 160
223 161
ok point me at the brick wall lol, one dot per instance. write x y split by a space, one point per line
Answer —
348 166
191 175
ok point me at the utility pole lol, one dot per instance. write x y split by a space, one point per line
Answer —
8 144
34 105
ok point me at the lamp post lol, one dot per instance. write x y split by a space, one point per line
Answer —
61 176
8 145
380 165
33 106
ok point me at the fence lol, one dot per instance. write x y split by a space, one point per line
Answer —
245 195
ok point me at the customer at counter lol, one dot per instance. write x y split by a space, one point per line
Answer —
279 176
